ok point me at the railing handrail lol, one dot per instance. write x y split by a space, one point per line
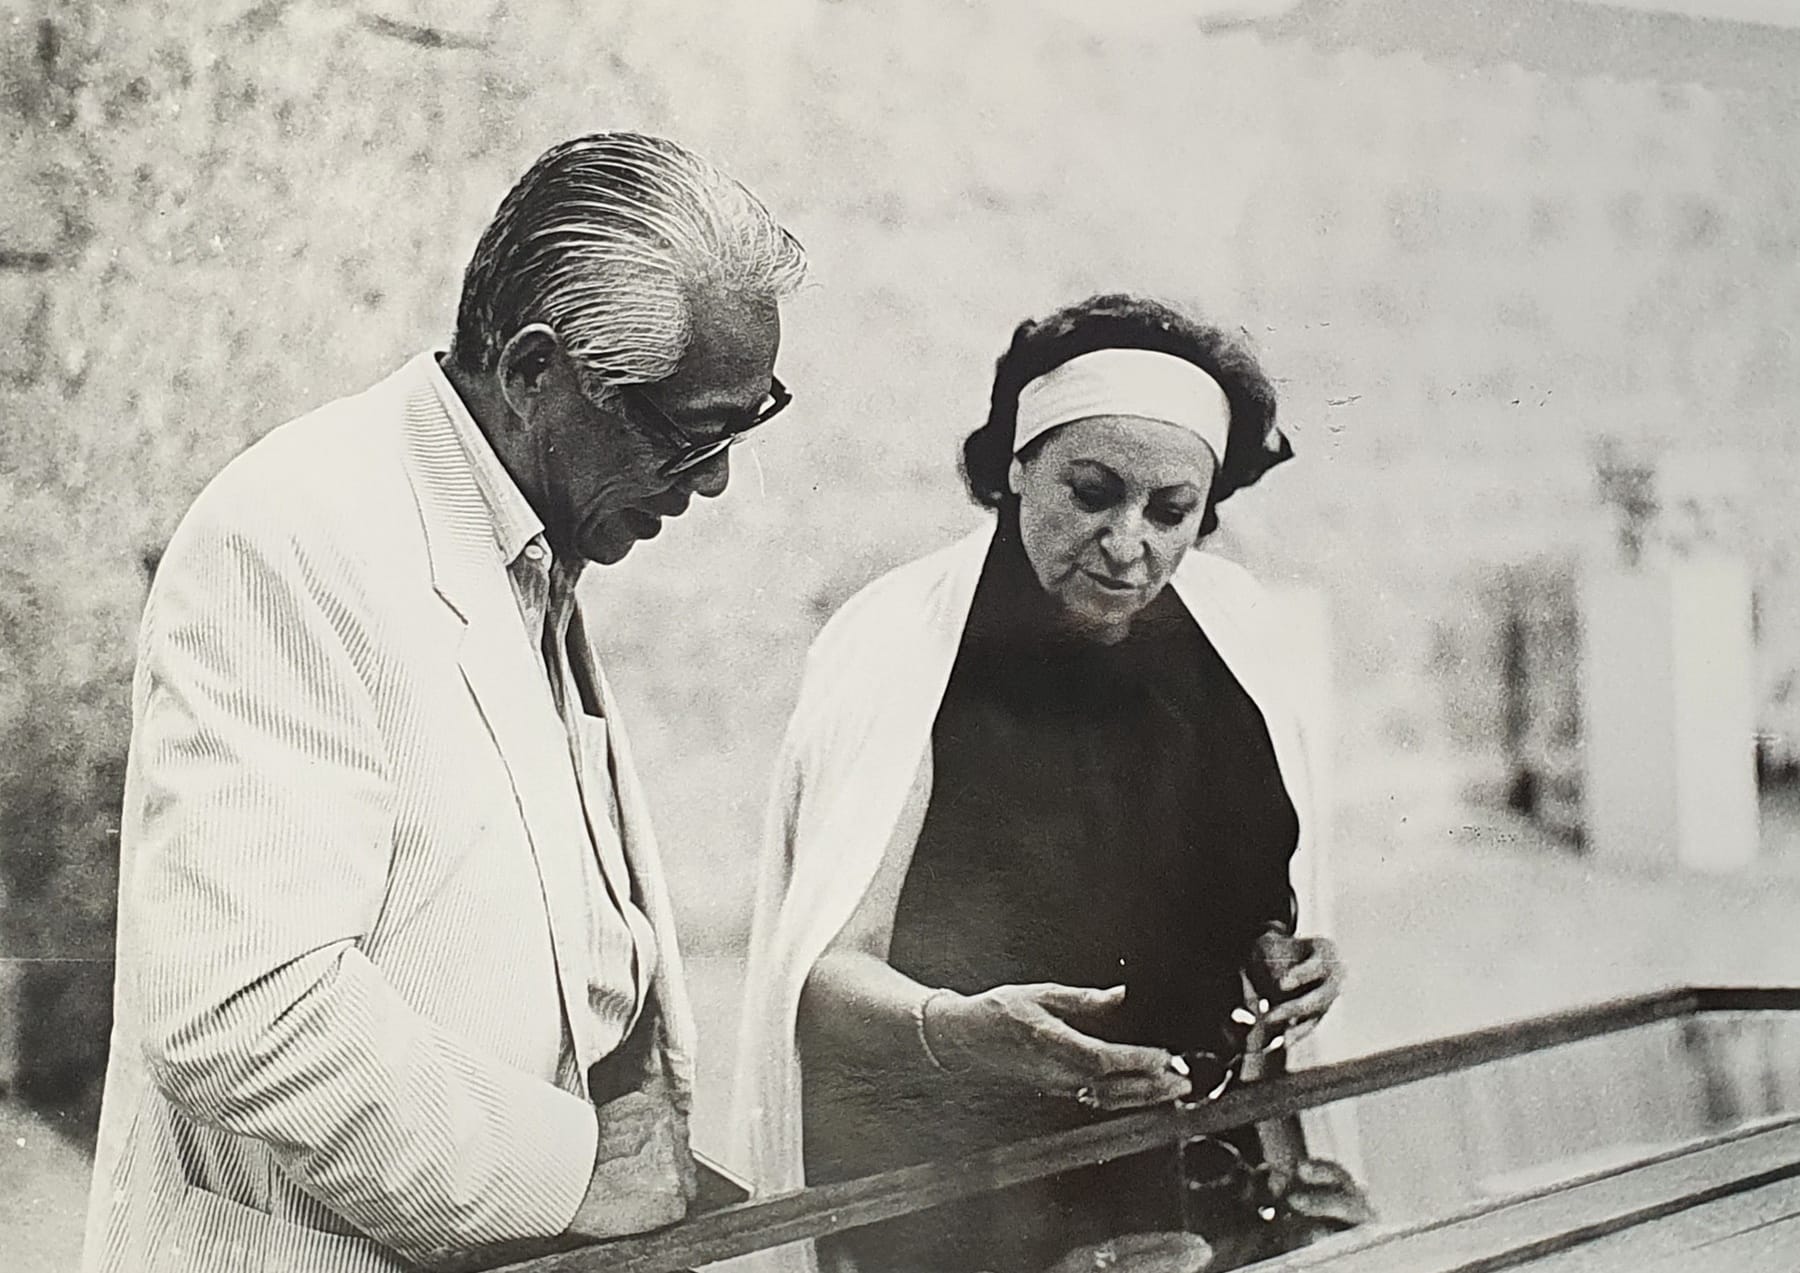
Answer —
826 1209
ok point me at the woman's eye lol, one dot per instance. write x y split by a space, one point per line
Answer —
1091 497
1168 514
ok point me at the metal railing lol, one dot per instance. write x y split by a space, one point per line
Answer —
827 1209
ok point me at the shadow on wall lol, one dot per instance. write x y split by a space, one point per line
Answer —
61 782
60 882
1540 636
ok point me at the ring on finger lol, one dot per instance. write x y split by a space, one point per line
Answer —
1087 1097
1105 1257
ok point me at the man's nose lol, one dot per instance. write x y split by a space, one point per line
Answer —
710 479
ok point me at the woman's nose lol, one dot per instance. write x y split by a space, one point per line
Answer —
1123 542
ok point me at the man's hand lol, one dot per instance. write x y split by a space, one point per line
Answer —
644 1175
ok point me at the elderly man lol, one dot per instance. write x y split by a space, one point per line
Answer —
397 983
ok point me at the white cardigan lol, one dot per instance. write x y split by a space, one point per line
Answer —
874 680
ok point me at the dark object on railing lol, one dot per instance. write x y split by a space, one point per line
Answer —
833 1208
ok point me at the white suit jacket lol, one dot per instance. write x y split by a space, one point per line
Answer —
338 1012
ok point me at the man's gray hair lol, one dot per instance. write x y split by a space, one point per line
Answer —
606 240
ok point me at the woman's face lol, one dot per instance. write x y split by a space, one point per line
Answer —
1108 507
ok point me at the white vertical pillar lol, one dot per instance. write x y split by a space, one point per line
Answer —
1628 718
1668 714
1718 826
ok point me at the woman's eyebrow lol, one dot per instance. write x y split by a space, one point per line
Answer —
1105 470
1160 492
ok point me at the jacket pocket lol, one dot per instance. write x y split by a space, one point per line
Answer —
213 1234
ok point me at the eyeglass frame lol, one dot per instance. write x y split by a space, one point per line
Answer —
1230 1068
1230 1065
691 454
1255 1180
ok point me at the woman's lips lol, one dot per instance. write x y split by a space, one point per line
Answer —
1111 584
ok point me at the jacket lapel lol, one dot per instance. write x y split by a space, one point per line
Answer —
504 673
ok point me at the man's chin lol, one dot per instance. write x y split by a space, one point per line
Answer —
609 539
607 554
605 544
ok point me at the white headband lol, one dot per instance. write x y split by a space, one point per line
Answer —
1133 382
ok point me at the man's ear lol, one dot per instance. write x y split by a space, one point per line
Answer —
528 364
1015 476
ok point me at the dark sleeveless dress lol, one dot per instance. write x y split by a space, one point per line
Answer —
1099 815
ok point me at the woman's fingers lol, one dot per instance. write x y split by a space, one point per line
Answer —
1309 971
1323 1190
1321 975
1321 963
1308 1007
1121 1061
1095 1064
1093 1058
1139 1253
1075 1001
1096 1058
1160 1253
1137 1090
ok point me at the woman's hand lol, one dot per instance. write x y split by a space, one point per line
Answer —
1319 1198
1139 1253
1027 1035
1309 982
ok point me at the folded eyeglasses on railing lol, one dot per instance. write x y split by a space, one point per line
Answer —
827 1209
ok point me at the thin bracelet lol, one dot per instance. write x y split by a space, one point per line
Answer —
918 1016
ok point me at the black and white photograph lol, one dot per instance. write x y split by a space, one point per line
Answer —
820 636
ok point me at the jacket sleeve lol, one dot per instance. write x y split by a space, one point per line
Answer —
258 846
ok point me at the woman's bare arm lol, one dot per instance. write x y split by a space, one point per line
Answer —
866 1014
854 1003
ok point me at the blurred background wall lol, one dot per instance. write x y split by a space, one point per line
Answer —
1474 244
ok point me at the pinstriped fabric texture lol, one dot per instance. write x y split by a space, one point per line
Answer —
348 916
618 942
616 947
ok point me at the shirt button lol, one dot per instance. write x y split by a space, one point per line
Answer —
534 551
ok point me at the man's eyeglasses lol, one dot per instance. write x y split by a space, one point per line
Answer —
691 453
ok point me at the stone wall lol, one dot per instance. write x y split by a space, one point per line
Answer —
1464 275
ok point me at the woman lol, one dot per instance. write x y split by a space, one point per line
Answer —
1036 809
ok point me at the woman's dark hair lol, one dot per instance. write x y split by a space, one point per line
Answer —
1121 321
